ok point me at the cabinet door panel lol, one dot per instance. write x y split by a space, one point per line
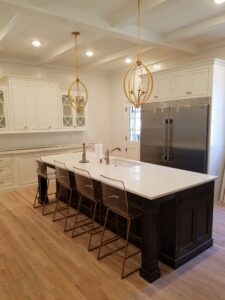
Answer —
187 234
181 84
53 106
27 170
3 110
161 87
19 106
31 105
199 82
164 87
47 107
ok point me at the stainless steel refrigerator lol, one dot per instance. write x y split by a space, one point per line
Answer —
175 134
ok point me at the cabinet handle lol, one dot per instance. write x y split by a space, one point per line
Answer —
49 127
155 96
1 170
1 182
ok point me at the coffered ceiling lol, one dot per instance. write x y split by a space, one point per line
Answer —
170 29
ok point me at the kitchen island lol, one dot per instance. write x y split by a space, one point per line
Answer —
177 207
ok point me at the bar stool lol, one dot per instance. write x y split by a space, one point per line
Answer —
43 198
114 197
63 181
85 187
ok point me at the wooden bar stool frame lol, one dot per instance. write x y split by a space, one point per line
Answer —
115 199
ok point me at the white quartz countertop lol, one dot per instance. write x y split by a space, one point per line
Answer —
147 180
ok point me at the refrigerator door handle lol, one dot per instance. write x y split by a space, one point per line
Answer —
170 140
165 146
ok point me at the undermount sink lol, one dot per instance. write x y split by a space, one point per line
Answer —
116 162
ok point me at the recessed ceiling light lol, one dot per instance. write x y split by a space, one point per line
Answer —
36 43
89 53
157 67
128 60
219 1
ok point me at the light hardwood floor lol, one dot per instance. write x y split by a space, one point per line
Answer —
39 261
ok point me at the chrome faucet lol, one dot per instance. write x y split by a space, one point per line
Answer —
107 154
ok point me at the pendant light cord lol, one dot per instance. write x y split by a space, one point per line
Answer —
138 32
76 56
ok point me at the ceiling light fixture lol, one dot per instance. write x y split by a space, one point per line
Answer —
219 1
128 60
36 43
77 92
137 90
89 53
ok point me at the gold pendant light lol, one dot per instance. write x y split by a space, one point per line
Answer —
138 81
77 92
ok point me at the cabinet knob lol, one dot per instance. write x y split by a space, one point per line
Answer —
1 170
1 182
155 96
49 127
25 127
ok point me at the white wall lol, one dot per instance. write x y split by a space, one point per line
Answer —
118 115
98 108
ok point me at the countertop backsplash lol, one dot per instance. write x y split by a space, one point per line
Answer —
38 140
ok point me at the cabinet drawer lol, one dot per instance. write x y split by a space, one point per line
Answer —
5 172
5 161
6 182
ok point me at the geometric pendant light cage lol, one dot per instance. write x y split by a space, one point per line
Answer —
138 80
77 92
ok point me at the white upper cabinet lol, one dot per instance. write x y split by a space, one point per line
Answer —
70 118
161 87
3 110
191 83
68 113
48 110
200 81
18 106
34 105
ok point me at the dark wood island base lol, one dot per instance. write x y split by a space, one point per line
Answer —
175 228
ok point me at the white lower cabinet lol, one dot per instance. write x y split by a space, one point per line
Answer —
6 172
26 170
19 170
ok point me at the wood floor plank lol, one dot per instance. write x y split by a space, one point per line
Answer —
39 261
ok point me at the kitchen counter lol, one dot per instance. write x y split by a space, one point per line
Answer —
177 207
146 180
39 149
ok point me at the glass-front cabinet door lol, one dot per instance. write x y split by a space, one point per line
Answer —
71 118
3 112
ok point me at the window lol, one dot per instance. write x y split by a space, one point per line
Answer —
134 124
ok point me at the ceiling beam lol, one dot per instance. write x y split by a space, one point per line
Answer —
196 29
82 41
99 24
153 38
110 58
125 13
9 26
